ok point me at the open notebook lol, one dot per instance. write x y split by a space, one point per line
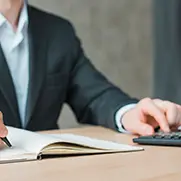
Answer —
29 145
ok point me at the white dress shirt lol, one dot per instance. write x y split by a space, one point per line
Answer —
16 50
15 47
119 116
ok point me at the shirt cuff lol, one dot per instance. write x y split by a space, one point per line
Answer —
119 116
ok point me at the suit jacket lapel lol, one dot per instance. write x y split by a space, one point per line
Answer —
8 90
37 62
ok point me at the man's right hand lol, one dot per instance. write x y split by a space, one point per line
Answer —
149 114
3 129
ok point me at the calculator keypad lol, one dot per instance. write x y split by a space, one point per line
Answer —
161 138
172 135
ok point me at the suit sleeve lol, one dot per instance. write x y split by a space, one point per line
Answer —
92 97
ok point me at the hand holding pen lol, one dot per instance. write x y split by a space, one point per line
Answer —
3 132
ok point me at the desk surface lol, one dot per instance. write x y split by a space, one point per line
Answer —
152 164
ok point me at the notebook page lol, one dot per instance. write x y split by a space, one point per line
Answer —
95 143
28 141
7 154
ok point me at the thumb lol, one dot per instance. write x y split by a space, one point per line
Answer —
3 129
143 129
139 125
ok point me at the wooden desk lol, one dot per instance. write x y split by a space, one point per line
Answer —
153 164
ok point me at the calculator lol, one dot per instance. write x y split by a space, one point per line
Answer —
160 139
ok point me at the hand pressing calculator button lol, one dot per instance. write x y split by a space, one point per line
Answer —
162 139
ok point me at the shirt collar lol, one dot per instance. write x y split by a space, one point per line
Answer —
23 19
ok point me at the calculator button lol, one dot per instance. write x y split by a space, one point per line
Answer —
168 136
176 137
157 136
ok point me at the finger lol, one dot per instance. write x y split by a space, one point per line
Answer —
1 118
178 122
179 114
151 121
3 129
143 129
178 106
171 113
133 122
161 104
148 108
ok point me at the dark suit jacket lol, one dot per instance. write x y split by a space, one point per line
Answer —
59 73
167 49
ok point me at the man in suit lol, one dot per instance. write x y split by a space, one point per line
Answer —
42 66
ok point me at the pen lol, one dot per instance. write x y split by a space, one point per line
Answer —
5 140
